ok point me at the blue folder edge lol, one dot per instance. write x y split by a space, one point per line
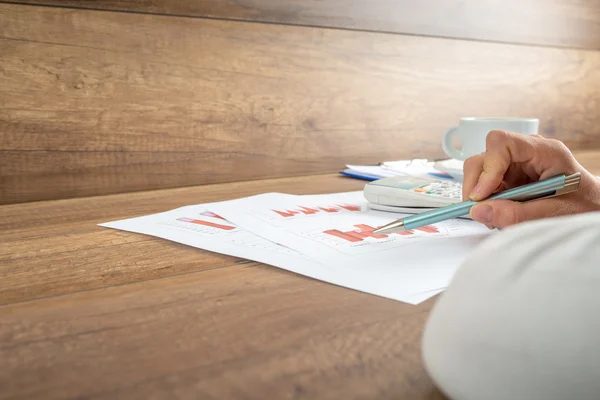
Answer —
366 177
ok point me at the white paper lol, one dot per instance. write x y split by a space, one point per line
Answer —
197 226
336 231
452 167
375 170
416 168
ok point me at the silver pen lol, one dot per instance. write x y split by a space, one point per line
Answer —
551 187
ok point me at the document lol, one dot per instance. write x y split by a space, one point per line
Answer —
337 230
416 168
199 227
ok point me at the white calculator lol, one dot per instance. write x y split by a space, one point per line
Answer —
409 192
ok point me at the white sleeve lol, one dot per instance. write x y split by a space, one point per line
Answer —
521 318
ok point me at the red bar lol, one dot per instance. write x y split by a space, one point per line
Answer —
330 209
308 211
288 213
428 229
212 214
349 207
343 235
206 223
358 235
367 231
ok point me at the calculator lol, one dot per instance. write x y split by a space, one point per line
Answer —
406 191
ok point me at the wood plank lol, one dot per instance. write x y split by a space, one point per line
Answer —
235 332
55 247
232 333
100 102
573 23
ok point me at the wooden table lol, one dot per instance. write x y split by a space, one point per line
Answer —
88 312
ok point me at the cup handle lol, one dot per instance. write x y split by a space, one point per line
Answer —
447 144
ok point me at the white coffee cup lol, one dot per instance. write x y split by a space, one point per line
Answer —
473 131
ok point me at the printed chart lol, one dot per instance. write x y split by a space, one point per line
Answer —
325 227
360 239
222 227
364 231
327 237
301 211
208 224
200 225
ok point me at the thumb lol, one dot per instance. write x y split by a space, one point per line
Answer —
503 213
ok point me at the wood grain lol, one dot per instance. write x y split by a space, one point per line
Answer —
53 248
100 102
574 23
116 313
175 322
233 333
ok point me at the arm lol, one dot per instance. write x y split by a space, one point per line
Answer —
521 318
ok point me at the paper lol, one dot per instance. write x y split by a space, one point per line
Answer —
374 170
336 231
454 168
197 226
416 168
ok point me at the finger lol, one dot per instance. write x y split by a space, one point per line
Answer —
503 213
517 175
502 149
473 167
556 159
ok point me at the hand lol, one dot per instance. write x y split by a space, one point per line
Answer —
512 160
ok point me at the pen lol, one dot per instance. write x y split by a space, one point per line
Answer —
555 186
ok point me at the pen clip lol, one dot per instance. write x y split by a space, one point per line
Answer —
571 185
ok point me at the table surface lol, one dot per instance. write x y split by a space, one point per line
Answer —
89 312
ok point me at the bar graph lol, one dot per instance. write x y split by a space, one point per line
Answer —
212 214
207 223
364 231
326 209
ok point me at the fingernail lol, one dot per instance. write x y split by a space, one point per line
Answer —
483 214
475 191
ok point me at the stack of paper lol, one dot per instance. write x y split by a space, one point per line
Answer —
326 237
420 168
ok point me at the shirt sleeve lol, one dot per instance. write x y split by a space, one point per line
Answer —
521 317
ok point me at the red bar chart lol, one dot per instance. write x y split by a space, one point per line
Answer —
207 223
327 209
212 214
364 231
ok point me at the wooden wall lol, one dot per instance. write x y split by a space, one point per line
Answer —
572 23
157 94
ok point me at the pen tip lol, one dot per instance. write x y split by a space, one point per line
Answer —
397 226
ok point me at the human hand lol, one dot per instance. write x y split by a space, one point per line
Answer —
512 160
